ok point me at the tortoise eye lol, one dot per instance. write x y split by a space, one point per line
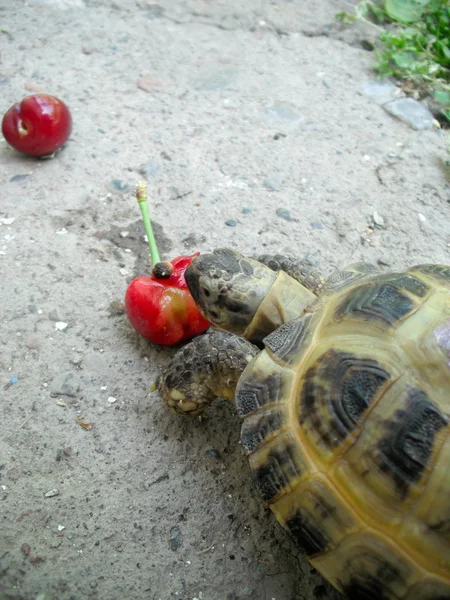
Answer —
206 292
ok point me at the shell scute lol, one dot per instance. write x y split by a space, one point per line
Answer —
370 568
337 390
255 392
439 272
375 301
285 342
320 521
406 282
278 467
405 449
263 382
261 427
345 277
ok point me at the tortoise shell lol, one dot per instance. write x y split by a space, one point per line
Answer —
346 425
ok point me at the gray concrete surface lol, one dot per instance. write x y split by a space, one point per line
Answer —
255 106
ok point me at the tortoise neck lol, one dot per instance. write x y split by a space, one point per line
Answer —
285 301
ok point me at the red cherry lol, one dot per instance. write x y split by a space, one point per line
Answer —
162 309
38 125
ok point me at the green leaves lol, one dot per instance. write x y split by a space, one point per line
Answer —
406 11
414 43
443 97
416 47
404 60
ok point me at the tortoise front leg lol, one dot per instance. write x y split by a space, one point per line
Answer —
308 276
208 367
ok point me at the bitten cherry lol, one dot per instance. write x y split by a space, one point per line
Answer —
160 306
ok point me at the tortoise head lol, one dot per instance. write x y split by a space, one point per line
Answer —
228 287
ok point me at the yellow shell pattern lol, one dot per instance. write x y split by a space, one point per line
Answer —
347 427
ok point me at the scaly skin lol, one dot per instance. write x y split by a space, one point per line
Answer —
229 290
206 368
299 270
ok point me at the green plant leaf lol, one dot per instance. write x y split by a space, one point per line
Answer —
403 60
442 97
406 11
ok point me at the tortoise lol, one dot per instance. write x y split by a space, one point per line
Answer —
343 384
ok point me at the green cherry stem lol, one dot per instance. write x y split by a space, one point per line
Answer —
141 197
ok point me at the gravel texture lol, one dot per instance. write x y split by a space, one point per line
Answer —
253 124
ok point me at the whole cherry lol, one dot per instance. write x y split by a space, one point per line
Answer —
38 125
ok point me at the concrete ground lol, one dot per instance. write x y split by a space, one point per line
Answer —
249 121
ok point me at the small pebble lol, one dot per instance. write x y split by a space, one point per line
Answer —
379 92
53 315
33 342
175 538
284 214
215 79
231 223
119 185
111 399
377 219
272 182
149 169
25 549
51 493
317 225
246 211
60 325
116 308
285 112
146 82
213 453
31 86
7 220
20 177
412 112
65 384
